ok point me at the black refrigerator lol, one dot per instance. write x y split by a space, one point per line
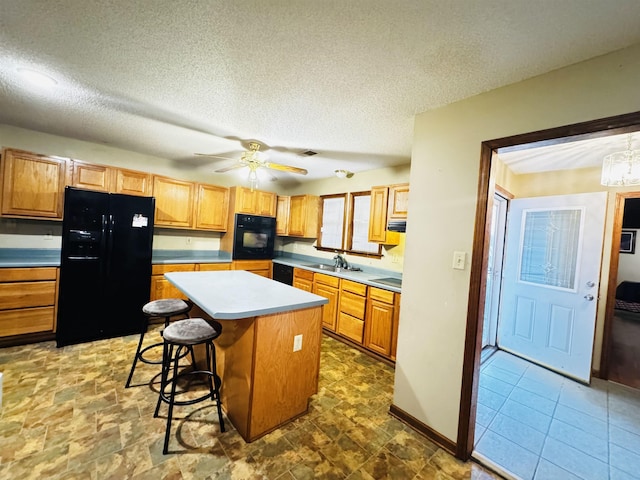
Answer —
105 268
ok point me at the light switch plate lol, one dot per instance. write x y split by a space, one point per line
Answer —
459 260
297 343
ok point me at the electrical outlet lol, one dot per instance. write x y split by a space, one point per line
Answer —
188 240
395 258
48 235
297 343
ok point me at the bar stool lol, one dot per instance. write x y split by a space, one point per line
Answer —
179 338
166 308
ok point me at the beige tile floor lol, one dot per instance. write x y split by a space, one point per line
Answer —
67 415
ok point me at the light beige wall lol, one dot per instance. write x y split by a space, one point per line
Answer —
444 177
28 234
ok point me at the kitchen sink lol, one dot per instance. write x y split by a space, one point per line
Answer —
390 281
322 266
331 268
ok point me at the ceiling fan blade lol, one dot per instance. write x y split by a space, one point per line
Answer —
226 169
212 155
285 168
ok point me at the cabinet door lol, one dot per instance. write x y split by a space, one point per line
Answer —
303 216
132 182
379 327
33 185
163 288
398 202
282 216
174 202
212 208
91 177
245 200
378 214
330 310
265 203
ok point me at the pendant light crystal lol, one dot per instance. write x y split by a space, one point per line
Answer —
621 168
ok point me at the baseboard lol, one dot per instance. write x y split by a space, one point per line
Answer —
423 429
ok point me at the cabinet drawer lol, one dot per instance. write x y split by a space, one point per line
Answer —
353 287
352 304
251 265
172 267
26 274
350 327
29 320
27 294
326 280
381 295
301 273
212 267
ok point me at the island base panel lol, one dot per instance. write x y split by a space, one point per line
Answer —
265 384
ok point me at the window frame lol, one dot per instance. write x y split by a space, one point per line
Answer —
347 226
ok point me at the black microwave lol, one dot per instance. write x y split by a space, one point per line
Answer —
254 237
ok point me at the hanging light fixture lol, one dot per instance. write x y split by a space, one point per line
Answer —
620 169
253 176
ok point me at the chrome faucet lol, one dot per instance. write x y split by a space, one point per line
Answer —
340 262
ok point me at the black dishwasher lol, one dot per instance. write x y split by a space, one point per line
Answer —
283 273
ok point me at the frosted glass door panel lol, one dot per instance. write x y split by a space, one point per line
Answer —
549 252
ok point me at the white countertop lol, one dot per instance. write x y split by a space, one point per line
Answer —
234 294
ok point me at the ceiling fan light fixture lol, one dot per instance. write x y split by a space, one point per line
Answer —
620 169
253 178
342 173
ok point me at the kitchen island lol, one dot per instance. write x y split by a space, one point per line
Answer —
268 354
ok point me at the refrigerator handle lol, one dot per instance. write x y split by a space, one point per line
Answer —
103 244
110 245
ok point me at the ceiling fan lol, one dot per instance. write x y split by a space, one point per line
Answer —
255 159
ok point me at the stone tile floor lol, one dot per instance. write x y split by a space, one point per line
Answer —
67 415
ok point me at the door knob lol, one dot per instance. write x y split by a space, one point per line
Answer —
589 297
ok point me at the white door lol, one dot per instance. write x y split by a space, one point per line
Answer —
494 270
550 280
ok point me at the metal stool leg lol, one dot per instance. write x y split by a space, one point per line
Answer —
137 355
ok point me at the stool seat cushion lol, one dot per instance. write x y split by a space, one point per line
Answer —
191 331
165 307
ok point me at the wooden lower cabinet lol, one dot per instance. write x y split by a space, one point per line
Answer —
28 300
380 320
259 267
352 310
161 287
303 279
212 267
328 287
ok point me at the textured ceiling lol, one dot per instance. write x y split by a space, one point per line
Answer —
342 78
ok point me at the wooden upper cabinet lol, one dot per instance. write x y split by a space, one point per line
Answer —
378 214
212 207
265 203
174 202
398 201
33 185
257 202
91 177
282 215
132 182
303 216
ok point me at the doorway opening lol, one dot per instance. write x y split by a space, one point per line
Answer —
478 292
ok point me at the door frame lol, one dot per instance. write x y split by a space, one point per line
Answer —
477 284
614 258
